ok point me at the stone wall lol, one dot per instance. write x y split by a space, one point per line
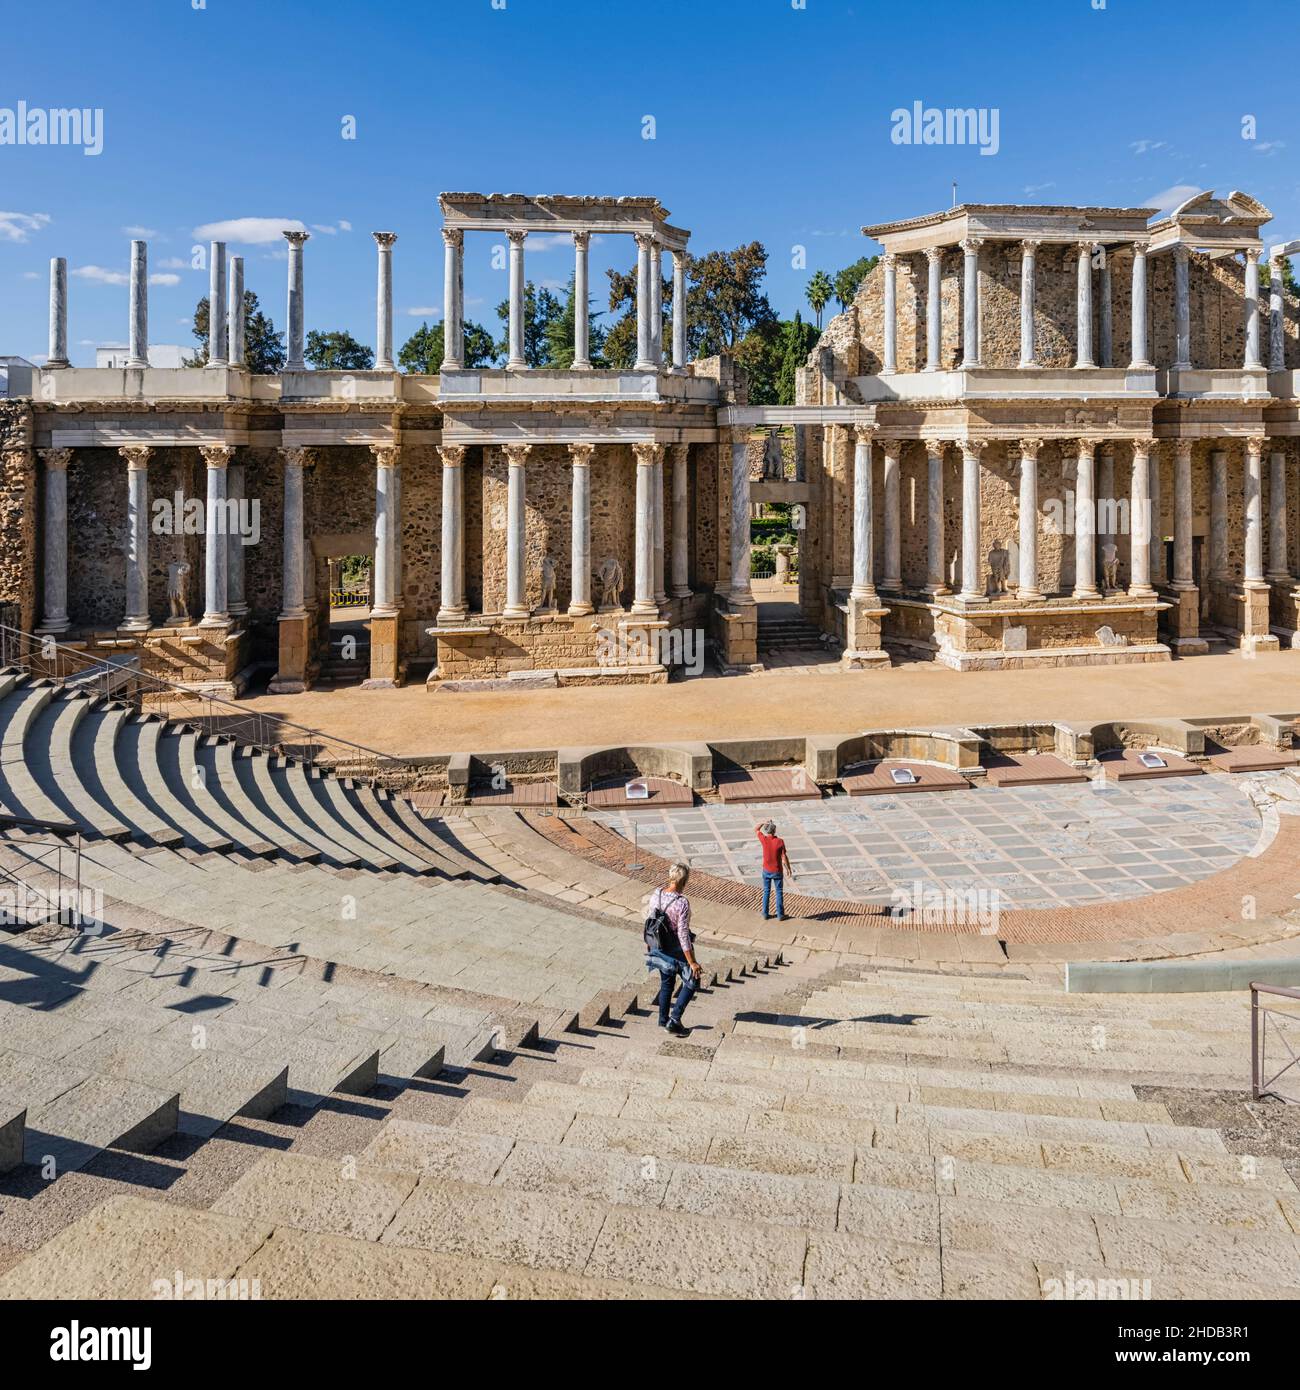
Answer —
18 513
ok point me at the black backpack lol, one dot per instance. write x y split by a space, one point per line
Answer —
660 934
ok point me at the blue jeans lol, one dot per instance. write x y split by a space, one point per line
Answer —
669 968
779 881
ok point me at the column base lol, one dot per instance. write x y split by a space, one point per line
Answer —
449 616
134 625
581 610
53 627
520 365
294 673
516 615
1086 595
685 591
215 620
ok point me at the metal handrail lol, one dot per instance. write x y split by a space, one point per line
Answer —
58 845
207 714
1260 1086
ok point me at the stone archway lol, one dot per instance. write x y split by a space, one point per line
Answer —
343 650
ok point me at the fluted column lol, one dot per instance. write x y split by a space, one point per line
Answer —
1278 560
1183 577
644 333
236 600
386 523
218 346
1083 305
934 308
236 315
516 530
643 590
384 301
1138 312
657 304
661 593
890 364
679 311
1182 310
581 307
892 580
741 584
453 320
137 458
58 354
216 537
1276 314
864 530
1105 315
970 301
1218 557
55 543
972 589
935 562
1085 523
681 522
1028 286
1027 587
292 599
296 312
517 361
1158 566
1253 360
138 354
451 596
580 602
1253 487
1140 527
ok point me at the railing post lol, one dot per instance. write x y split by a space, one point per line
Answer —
1254 1043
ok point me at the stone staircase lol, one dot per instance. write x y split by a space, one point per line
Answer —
788 631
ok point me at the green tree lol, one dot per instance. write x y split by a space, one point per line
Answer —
337 351
1289 282
798 340
819 293
851 277
541 309
560 332
264 353
422 353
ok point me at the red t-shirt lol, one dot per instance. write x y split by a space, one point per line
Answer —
773 848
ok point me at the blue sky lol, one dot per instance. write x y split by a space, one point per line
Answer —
772 121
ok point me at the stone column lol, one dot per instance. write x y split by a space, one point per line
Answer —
972 587
237 326
1138 309
1182 310
681 521
580 603
1106 497
1083 305
294 361
517 361
292 591
1253 487
643 592
1253 360
1183 578
218 347
1278 557
1085 523
1158 568
890 365
934 309
216 545
741 588
1218 567
516 530
137 458
384 302
644 334
970 302
661 592
1276 315
1028 267
1105 314
893 576
864 530
236 602
936 580
657 304
139 342
679 311
453 323
58 355
55 543
386 524
581 307
1140 528
451 598
1027 587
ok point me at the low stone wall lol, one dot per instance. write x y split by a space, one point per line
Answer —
207 659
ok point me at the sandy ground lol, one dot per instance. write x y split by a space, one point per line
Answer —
414 721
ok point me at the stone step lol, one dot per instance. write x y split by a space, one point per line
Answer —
140 745
71 752
217 757
20 792
189 773
259 782
13 1122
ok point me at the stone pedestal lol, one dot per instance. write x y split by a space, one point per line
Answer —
862 649
295 672
737 635
1182 621
385 661
1256 631
1284 612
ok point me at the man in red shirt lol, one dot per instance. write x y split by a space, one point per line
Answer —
776 864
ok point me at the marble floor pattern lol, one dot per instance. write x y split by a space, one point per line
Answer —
1035 847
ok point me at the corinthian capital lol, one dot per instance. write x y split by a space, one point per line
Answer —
516 454
137 456
453 455
453 236
216 455
387 455
56 460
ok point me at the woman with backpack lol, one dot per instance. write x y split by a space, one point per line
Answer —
670 948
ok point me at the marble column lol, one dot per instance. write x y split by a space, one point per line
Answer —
580 603
236 600
679 311
581 305
1107 503
741 587
936 579
644 334
1028 276
1278 550
386 524
1276 314
1253 488
1083 307
934 309
218 347
643 590
1140 528
1182 310
58 354
864 529
970 301
1085 523
516 530
1105 314
1158 567
517 360
55 543
657 304
1183 577
138 353
137 458
453 320
681 522
661 592
384 301
295 317
451 598
1027 588
1138 311
216 537
1218 567
972 587
293 593
237 319
890 363
1253 360
892 581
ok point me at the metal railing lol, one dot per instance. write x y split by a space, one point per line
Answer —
349 598
124 681
1261 1019
67 907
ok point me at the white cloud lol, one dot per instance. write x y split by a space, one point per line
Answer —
424 311
32 275
1038 187
249 231
1270 146
18 226
344 225
164 279
1148 146
1169 198
176 263
99 275
330 229
140 233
